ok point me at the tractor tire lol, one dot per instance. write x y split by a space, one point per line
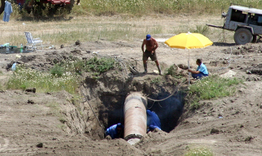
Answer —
70 6
2 8
52 10
243 36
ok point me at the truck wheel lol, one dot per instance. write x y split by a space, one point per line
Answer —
243 36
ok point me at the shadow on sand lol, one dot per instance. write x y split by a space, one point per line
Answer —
223 44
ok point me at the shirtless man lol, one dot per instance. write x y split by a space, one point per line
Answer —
151 46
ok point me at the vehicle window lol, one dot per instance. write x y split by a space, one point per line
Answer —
259 20
238 16
253 19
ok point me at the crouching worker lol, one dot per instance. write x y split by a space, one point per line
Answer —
201 70
115 131
153 121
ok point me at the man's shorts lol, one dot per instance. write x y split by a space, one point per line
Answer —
147 54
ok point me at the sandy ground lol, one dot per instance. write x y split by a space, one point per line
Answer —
228 126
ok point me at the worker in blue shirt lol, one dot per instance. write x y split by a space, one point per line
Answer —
153 121
115 131
201 70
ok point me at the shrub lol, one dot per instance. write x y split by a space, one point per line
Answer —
172 70
100 65
57 71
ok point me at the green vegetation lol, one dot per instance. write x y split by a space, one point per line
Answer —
43 82
63 76
100 65
146 7
200 29
55 31
172 70
200 151
210 88
95 65
156 80
57 71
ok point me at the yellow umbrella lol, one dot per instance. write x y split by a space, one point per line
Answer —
188 41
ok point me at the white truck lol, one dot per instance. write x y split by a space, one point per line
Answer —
245 21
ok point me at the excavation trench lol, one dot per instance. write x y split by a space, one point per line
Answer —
168 111
103 97
106 98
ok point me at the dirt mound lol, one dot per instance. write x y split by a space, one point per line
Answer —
59 123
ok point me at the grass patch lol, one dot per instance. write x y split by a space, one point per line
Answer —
145 7
68 32
202 29
124 27
211 87
200 151
57 71
141 7
63 76
24 78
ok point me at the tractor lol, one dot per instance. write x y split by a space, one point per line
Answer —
38 7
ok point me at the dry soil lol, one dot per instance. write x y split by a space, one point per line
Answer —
54 124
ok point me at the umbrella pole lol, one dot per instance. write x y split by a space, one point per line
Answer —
188 68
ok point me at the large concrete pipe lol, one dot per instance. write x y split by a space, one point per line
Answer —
135 117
